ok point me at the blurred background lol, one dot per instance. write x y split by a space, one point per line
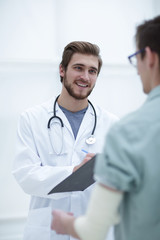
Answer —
33 34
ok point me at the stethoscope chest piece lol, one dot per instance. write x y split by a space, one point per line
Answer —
91 140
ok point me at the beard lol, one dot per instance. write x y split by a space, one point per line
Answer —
72 93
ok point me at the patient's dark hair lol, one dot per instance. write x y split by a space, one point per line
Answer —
148 34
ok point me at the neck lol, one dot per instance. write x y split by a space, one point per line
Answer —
155 72
155 79
72 104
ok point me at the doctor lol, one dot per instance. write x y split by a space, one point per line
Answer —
51 137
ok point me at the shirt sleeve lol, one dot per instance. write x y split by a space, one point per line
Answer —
119 166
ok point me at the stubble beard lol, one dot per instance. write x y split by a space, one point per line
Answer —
71 92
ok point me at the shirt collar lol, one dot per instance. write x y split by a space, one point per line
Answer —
51 103
154 92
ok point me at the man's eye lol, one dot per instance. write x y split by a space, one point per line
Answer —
93 71
78 68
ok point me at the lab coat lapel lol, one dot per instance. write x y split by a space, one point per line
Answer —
87 123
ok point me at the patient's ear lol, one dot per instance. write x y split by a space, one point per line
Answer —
150 57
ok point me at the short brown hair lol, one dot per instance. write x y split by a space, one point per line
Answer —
83 48
148 34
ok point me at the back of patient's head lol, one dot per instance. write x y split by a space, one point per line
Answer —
148 35
81 47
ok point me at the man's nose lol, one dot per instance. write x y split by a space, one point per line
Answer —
85 75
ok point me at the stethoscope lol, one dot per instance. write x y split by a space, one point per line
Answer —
90 140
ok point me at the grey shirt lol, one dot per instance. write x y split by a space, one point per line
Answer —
74 118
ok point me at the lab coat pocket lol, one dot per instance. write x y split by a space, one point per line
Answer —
38 224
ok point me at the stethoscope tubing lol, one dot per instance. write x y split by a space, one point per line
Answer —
95 118
54 114
62 124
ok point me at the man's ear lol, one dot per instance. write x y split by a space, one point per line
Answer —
150 57
61 70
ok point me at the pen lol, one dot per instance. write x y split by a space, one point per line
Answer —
84 151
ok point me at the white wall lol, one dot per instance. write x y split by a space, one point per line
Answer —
33 35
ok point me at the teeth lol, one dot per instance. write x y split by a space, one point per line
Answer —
81 85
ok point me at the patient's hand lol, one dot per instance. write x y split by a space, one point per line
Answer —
63 223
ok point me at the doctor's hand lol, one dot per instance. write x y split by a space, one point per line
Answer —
86 159
63 223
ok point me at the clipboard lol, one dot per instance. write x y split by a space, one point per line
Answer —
78 180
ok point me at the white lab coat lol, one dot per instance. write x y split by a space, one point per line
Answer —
37 168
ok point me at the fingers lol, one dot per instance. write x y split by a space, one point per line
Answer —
56 212
69 213
61 221
88 157
56 223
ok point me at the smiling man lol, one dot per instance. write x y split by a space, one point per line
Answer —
78 81
51 137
